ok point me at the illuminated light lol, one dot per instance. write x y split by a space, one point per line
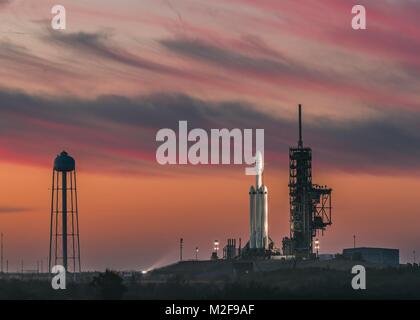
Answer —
216 245
144 272
317 244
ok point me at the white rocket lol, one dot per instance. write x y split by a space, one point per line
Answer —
258 200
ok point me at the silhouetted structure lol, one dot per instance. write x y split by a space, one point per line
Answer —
1 249
64 227
382 256
181 246
230 251
310 204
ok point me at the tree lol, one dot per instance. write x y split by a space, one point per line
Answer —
109 284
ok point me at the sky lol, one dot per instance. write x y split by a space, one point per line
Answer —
122 70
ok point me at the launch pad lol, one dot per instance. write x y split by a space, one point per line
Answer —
310 213
310 209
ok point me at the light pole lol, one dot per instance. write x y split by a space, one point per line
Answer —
216 247
196 253
317 247
181 246
2 252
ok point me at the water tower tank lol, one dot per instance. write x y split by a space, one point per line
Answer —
64 163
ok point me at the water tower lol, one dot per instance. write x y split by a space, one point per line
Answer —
64 227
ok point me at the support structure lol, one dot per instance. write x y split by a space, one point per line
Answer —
64 226
310 204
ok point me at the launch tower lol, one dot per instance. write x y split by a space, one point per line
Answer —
310 204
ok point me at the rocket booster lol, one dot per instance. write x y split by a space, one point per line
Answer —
259 209
252 197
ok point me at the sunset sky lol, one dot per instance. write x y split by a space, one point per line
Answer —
124 69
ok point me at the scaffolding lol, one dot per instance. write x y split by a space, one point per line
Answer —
310 204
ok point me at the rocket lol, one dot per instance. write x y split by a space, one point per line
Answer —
258 200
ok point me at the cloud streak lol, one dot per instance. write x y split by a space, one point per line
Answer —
117 132
99 45
210 65
7 210
280 69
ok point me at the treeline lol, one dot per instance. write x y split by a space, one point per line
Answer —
285 284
